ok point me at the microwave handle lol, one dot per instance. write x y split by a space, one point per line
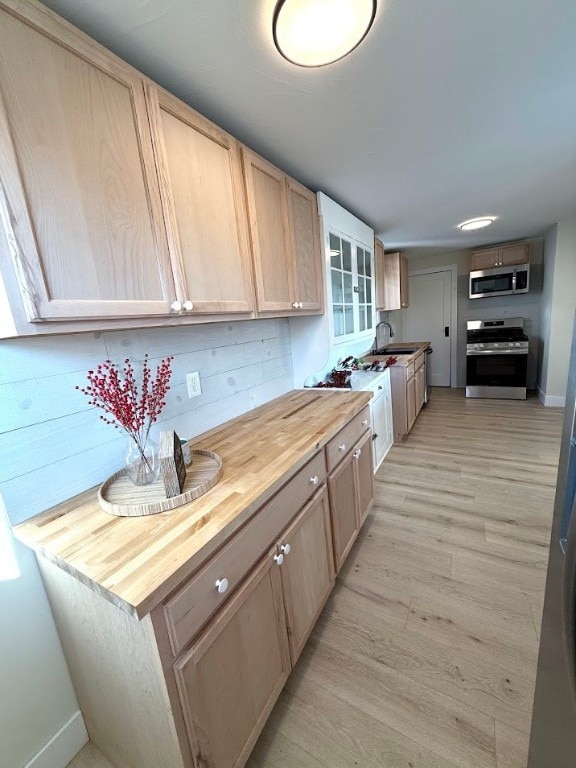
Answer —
514 280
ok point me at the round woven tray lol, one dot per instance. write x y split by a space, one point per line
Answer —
119 496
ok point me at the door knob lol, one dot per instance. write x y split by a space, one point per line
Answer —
176 306
285 549
365 422
357 453
221 585
295 304
315 480
342 447
279 559
188 306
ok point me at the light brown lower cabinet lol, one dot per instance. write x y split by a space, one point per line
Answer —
307 571
191 684
411 401
420 386
231 677
408 393
351 494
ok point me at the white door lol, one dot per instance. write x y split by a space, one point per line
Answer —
428 319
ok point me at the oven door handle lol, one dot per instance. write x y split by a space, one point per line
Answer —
484 352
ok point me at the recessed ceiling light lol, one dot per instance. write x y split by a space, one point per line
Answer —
312 33
479 223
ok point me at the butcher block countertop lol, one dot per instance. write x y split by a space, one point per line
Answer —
403 360
135 562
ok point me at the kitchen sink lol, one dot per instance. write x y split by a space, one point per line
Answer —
396 351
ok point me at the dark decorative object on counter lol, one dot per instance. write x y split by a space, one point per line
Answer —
172 466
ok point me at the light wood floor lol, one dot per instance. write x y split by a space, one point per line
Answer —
425 656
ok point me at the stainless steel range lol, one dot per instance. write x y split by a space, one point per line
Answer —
496 358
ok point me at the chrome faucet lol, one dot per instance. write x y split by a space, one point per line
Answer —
387 324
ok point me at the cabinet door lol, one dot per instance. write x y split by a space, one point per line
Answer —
390 282
203 201
411 401
307 571
268 218
519 253
379 276
363 477
343 508
305 246
78 195
404 283
229 680
420 385
485 259
381 428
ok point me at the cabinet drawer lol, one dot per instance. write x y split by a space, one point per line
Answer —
409 371
339 446
189 609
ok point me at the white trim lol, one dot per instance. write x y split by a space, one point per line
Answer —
551 401
63 746
453 269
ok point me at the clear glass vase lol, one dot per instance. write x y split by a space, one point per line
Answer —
142 465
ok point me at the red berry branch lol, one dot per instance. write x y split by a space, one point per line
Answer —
115 391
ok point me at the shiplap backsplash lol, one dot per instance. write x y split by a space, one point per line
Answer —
53 444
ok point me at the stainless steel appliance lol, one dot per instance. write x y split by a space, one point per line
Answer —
499 281
496 358
553 736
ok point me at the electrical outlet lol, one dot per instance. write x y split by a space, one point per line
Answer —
193 384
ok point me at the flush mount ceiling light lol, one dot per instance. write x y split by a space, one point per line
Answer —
312 33
479 223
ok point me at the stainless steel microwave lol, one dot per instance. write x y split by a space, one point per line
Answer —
499 281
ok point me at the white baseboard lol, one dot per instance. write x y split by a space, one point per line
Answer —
551 401
63 746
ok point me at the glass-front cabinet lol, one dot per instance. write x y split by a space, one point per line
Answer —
351 282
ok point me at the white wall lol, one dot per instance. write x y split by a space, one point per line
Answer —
559 305
525 305
36 694
53 446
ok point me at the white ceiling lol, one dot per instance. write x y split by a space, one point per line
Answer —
449 109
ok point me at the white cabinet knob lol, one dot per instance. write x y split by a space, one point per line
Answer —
300 305
365 423
342 447
295 304
315 480
221 585
285 549
357 453
279 559
188 306
176 306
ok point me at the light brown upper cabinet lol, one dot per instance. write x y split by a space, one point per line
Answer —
203 203
391 271
283 219
79 199
500 256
